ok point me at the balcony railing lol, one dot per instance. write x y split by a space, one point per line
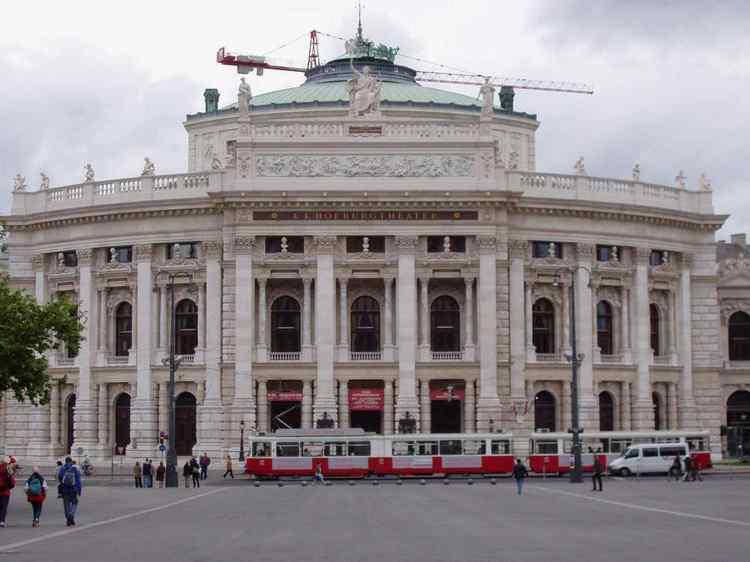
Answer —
187 358
62 359
284 356
613 358
549 357
365 355
661 360
447 355
113 359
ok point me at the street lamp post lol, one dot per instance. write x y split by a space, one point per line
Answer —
242 440
171 478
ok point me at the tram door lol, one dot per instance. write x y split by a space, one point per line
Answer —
446 407
366 406
285 404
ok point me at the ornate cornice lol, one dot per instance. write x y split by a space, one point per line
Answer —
144 252
244 244
212 249
85 256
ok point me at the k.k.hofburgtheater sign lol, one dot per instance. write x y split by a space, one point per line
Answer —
364 216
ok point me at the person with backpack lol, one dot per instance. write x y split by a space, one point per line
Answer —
36 493
70 478
7 483
675 471
196 473
519 473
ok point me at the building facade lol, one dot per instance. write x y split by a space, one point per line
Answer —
367 249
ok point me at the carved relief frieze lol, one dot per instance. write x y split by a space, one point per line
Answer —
610 294
734 266
144 252
85 256
381 165
518 249
730 307
546 291
244 244
405 244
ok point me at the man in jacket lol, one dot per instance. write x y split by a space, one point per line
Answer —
204 462
596 475
7 483
519 473
70 478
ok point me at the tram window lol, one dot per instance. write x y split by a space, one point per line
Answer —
696 444
619 446
335 449
287 449
427 448
313 449
631 454
672 451
500 447
401 448
261 450
359 449
546 447
568 447
452 447
474 447
650 452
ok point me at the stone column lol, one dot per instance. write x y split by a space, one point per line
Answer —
469 408
307 347
211 412
243 406
565 320
325 327
37 432
262 406
597 352
388 408
565 413
673 331
85 410
625 407
200 348
344 404
163 323
643 414
307 421
103 417
529 323
54 418
489 403
469 319
687 410
262 351
588 404
627 357
406 306
388 350
425 420
424 318
344 318
102 327
517 251
164 407
672 403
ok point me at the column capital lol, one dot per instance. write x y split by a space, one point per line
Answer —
243 244
518 248
642 256
687 260
469 279
37 262
388 278
585 252
307 279
86 255
212 249
325 244
487 244
343 278
406 244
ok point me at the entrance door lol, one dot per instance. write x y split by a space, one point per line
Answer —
446 416
738 424
185 426
70 415
122 423
371 422
286 415
366 404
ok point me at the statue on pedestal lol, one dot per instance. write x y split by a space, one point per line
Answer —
148 167
45 181
637 172
89 171
704 182
487 93
19 183
680 180
580 167
364 92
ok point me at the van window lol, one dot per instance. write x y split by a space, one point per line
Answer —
631 454
650 452
672 451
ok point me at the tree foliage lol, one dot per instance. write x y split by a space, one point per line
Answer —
27 331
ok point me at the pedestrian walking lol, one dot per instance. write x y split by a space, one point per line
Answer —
688 468
36 493
319 475
70 478
196 473
694 473
138 475
519 473
59 486
148 479
7 483
160 472
675 471
596 475
187 473
204 462
229 468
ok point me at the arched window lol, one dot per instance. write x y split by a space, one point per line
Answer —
122 423
658 423
543 322
604 328
544 411
365 324
606 412
123 328
446 335
186 327
739 336
654 314
285 313
185 424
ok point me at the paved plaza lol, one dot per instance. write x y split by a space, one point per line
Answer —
647 519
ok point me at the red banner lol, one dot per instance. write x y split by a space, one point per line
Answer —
284 396
366 399
444 393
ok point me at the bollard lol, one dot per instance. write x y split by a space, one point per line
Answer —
399 482
256 484
445 482
304 483
351 482
280 484
375 483
493 481
423 482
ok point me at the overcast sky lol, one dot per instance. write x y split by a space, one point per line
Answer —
111 83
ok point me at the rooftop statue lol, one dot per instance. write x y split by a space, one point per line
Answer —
364 92
244 89
704 182
680 180
19 183
487 92
148 167
89 171
637 172
244 95
580 167
45 181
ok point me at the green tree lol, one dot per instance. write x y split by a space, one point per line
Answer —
27 331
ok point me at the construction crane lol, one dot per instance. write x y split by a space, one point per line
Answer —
247 63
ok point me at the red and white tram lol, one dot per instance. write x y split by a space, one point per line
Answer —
352 453
552 453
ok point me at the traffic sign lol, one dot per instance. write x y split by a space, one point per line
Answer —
162 448
163 435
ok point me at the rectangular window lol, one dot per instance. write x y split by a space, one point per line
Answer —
357 244
121 254
604 253
474 447
546 447
290 449
672 451
182 250
500 447
281 244
546 249
452 447
70 258
359 448
437 244
657 257
650 452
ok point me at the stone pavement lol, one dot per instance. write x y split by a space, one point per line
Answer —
641 520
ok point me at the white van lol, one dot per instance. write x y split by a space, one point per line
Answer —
647 458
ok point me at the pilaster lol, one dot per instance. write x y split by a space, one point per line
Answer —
406 305
325 327
488 406
642 408
85 409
